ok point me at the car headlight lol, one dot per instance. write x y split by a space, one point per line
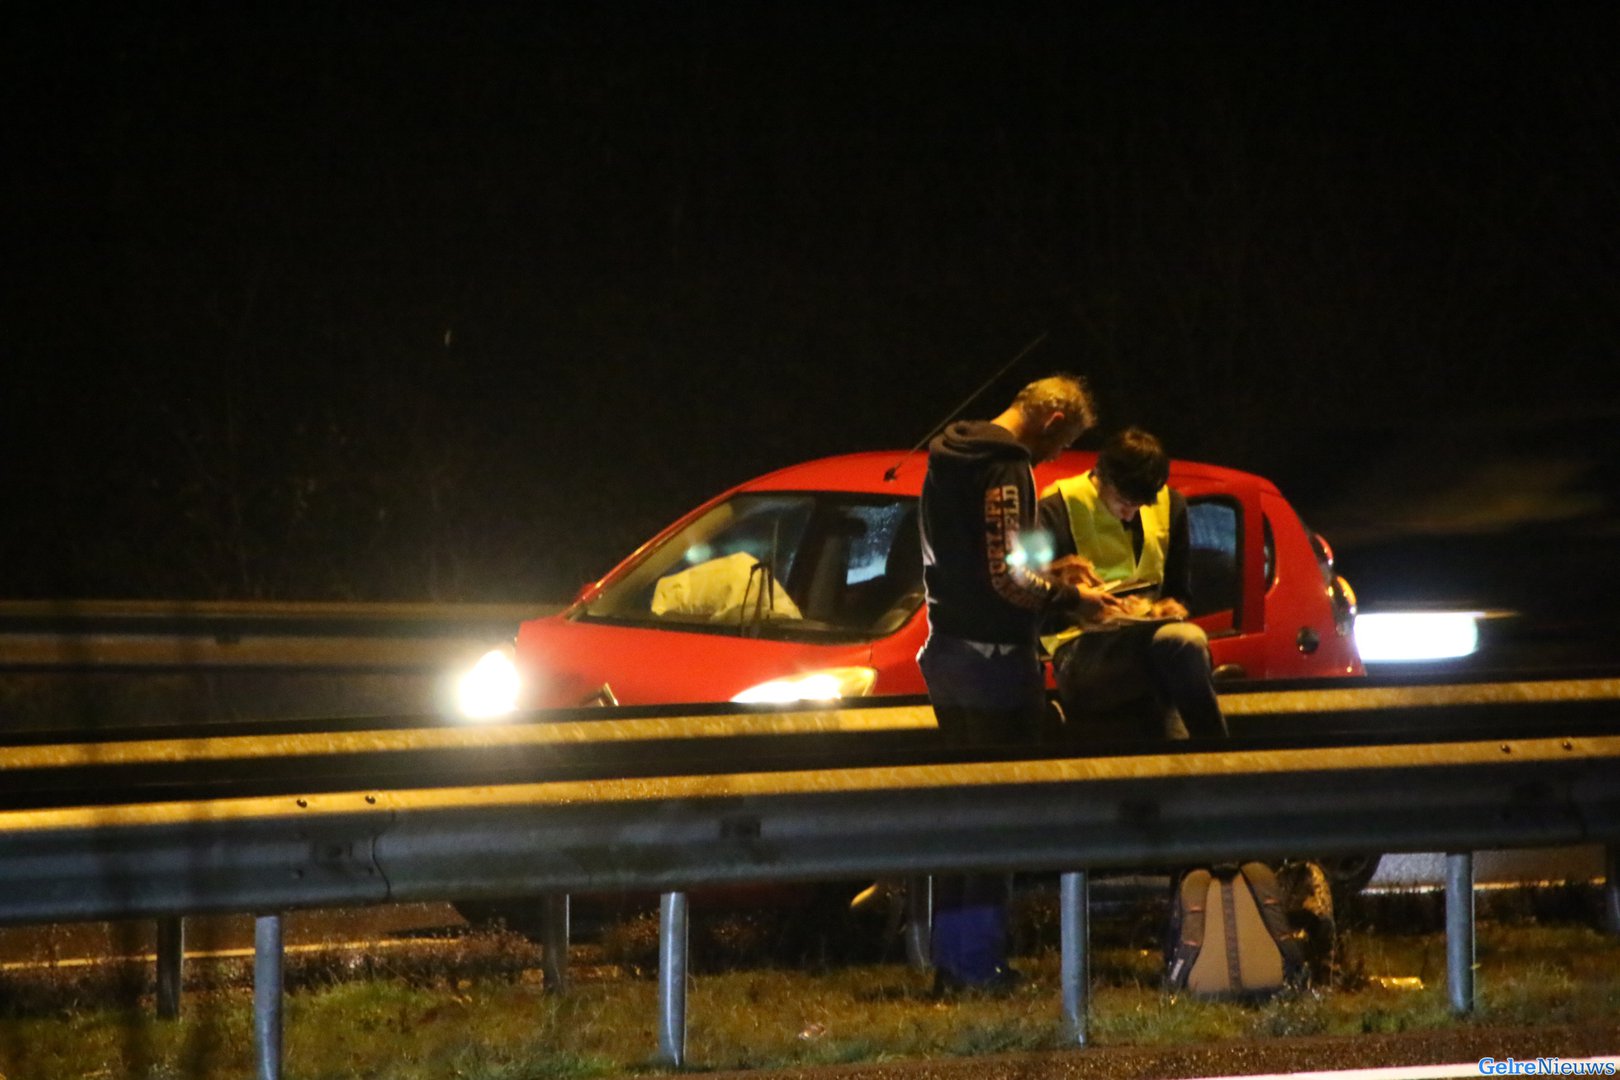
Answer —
490 689
828 685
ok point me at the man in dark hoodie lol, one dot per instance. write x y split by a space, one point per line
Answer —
985 607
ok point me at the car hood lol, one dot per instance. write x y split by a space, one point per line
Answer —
566 661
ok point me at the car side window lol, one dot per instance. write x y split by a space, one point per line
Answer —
861 560
875 544
1214 525
1271 553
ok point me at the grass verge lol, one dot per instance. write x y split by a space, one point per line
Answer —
481 1013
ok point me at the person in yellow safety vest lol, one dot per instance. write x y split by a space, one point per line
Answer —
1122 678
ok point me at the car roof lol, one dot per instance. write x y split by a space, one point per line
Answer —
866 473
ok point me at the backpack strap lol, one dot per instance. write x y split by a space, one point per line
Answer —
1187 929
1262 885
1234 950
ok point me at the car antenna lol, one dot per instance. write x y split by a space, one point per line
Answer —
894 469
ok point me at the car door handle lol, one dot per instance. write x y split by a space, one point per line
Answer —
1229 671
1308 640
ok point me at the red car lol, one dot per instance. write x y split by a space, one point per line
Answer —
806 584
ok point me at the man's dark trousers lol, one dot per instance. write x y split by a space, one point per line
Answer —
984 695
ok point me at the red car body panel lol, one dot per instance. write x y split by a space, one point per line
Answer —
569 661
566 659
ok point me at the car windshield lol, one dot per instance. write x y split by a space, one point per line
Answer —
779 564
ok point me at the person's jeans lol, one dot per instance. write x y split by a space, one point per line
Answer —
982 696
1139 682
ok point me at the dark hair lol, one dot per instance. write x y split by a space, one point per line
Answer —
1134 461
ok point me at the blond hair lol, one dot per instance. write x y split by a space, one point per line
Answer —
1060 393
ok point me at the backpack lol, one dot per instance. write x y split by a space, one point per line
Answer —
1229 935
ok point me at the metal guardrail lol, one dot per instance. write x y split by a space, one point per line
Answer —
112 666
702 813
596 833
673 833
308 756
103 635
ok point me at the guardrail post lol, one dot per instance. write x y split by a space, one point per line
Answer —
1611 889
1075 934
267 983
672 942
919 922
171 959
554 941
1460 930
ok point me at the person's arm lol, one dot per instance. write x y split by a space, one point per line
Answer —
1014 581
1004 514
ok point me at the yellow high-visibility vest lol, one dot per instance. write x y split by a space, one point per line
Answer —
1104 539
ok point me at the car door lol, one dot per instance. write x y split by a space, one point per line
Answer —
1232 566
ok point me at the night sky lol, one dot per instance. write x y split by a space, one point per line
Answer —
463 304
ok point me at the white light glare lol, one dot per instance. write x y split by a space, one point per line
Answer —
1412 636
1032 548
490 689
829 685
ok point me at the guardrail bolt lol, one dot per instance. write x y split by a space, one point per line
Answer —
1506 749
371 800
303 804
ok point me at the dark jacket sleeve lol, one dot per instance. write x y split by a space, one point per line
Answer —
1178 559
1006 516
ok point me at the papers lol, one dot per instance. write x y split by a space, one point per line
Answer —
1135 607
